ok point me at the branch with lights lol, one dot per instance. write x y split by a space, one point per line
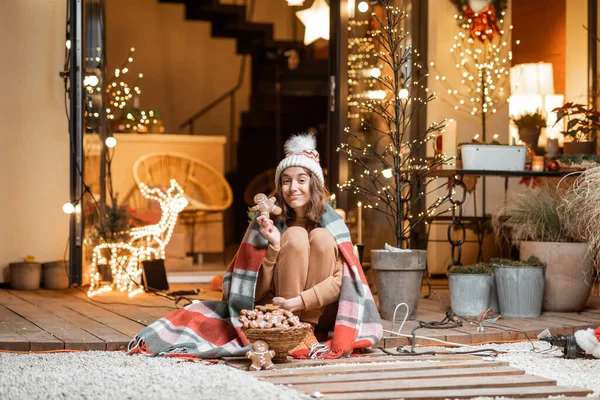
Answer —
145 243
482 55
393 179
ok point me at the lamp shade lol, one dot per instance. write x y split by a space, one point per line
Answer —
532 79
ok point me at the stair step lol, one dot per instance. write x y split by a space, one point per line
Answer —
218 14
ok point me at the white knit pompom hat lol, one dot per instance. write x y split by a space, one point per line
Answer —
301 151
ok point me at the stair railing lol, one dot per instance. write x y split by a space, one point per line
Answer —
230 94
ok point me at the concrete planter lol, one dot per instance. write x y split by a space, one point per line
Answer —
569 273
470 293
398 276
25 275
520 290
493 157
55 275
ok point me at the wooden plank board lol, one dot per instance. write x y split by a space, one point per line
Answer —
31 334
243 364
124 325
389 366
407 385
359 376
73 337
112 339
510 392
126 310
9 338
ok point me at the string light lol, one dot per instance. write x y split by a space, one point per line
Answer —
387 171
363 6
68 208
483 64
146 243
110 142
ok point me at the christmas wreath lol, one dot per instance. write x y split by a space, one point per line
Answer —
483 24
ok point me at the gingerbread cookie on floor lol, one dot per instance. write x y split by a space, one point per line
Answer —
260 355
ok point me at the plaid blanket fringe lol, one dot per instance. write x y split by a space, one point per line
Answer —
211 329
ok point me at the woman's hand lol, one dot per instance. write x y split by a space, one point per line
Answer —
293 304
269 231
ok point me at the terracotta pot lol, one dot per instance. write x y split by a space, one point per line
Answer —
531 136
579 148
568 276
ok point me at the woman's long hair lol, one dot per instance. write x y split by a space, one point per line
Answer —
319 195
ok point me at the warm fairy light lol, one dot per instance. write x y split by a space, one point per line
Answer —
68 208
376 94
146 243
403 94
110 142
476 137
387 173
90 80
375 73
363 6
68 44
118 92
483 64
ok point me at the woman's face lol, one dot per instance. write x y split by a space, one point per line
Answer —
295 186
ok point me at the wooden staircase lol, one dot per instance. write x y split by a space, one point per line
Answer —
302 92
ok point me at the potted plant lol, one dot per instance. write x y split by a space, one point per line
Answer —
530 125
470 288
580 126
520 286
538 220
390 177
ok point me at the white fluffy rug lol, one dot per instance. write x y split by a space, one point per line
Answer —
115 375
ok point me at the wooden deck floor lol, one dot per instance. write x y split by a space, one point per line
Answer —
44 320
67 319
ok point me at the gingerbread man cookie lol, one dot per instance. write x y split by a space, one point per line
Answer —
260 355
266 205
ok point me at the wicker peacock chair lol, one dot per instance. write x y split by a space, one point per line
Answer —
206 189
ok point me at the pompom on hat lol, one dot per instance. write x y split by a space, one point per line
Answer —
301 151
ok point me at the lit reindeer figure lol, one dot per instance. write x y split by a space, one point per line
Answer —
151 240
146 242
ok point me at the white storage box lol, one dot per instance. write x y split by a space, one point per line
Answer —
490 157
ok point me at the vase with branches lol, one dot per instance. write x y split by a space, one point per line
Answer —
395 177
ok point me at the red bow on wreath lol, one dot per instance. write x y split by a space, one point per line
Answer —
483 24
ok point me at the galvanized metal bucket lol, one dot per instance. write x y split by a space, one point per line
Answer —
520 290
470 293
398 276
494 306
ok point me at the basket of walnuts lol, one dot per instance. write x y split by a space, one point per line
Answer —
280 329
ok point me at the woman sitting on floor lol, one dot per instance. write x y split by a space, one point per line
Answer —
303 262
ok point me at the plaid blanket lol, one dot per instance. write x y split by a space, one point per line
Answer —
211 329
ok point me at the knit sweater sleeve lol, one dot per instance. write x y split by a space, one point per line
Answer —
265 274
325 292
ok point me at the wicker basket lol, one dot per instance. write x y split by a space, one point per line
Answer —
281 340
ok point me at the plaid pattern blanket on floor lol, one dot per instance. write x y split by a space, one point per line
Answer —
211 329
